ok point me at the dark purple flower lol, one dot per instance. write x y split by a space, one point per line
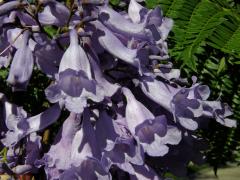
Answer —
48 56
109 88
118 146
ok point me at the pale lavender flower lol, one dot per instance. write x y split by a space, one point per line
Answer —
20 126
114 46
187 104
9 6
54 13
152 132
82 158
74 84
21 66
53 160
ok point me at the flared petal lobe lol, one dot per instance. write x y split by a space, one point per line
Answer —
150 131
54 13
117 145
187 104
23 126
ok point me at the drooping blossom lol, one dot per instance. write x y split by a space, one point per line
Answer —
22 65
187 104
74 84
152 132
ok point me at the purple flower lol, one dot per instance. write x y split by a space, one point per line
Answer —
144 173
176 160
48 56
22 65
18 162
54 13
4 62
129 110
152 132
20 126
9 6
109 88
136 11
75 84
116 21
113 45
53 160
89 169
8 113
82 158
118 146
186 104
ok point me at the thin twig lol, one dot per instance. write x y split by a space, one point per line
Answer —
14 40
70 15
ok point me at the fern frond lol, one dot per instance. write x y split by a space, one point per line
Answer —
226 37
203 19
197 21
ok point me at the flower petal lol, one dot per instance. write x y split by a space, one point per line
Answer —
74 57
22 66
25 126
54 13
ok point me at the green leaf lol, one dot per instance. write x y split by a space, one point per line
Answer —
51 30
151 3
226 37
188 59
200 22
221 66
237 62
3 73
3 153
69 3
115 2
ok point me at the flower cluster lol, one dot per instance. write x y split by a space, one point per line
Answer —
111 71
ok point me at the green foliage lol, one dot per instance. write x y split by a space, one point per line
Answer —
33 100
222 77
69 3
3 154
199 22
226 36
50 30
114 2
